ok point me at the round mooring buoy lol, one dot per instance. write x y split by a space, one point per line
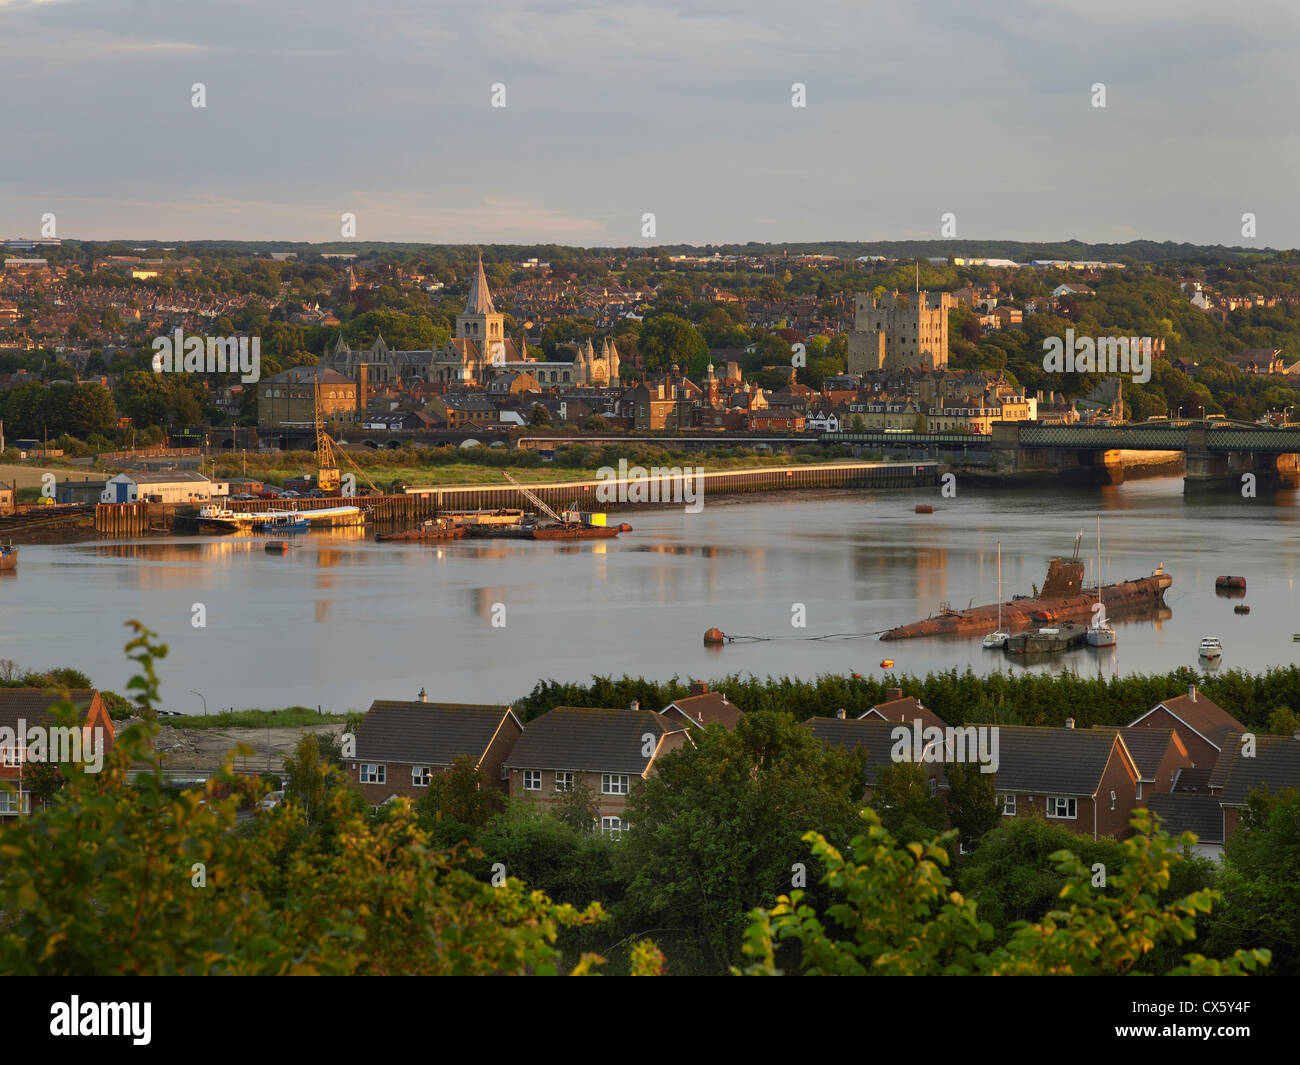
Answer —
714 636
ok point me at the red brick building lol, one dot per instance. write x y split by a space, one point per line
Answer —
21 709
401 745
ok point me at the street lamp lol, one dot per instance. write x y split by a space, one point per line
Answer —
204 698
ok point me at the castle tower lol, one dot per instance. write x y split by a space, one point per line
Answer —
480 321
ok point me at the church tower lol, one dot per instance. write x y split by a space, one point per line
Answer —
612 380
480 321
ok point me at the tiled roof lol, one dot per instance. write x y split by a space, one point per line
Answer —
33 704
1181 813
874 735
1275 764
905 710
1148 746
419 733
708 709
1199 713
1062 761
591 740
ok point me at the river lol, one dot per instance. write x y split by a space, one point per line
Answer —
340 620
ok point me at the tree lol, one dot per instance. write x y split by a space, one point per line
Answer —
308 774
903 798
539 417
127 877
896 915
462 794
667 340
716 830
972 798
1261 882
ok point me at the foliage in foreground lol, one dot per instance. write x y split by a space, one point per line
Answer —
897 916
117 878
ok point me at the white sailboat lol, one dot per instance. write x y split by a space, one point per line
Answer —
1100 634
998 640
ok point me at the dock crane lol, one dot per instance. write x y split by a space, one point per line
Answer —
535 500
329 480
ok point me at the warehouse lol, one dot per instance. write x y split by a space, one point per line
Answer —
173 487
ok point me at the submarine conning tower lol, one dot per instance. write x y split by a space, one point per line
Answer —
1064 580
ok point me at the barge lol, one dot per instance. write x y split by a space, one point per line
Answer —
1062 599
433 529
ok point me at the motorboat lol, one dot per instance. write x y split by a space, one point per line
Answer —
1211 649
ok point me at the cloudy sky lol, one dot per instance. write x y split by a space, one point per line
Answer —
615 108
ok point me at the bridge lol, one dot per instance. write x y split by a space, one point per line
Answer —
1218 451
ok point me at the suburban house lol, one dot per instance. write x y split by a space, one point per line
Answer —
703 707
897 708
1215 814
1084 778
1273 764
1202 726
603 750
400 745
1159 755
23 708
1181 812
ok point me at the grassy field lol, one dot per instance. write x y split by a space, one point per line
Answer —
291 717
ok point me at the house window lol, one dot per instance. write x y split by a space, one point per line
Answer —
1062 807
1008 805
10 755
613 783
9 802
564 780
612 826
373 774
532 780
420 776
1112 800
1139 787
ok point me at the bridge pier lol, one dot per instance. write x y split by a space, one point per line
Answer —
1225 471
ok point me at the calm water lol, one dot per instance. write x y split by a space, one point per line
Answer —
341 620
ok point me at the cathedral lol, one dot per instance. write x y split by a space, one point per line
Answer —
479 351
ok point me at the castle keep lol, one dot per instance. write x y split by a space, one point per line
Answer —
899 332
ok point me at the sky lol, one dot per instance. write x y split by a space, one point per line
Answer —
615 109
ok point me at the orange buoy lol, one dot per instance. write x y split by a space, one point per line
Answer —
887 663
924 508
714 636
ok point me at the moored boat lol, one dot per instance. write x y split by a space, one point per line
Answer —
432 529
8 558
1211 649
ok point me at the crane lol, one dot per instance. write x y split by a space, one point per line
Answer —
534 499
328 479
327 454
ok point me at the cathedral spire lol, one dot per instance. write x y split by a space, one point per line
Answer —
480 299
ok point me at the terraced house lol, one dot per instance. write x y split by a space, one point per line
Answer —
602 752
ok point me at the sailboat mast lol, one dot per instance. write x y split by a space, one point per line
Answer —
999 586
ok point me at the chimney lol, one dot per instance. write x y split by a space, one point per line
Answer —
840 713
699 687
424 696
634 705
893 693
1191 692
1069 722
